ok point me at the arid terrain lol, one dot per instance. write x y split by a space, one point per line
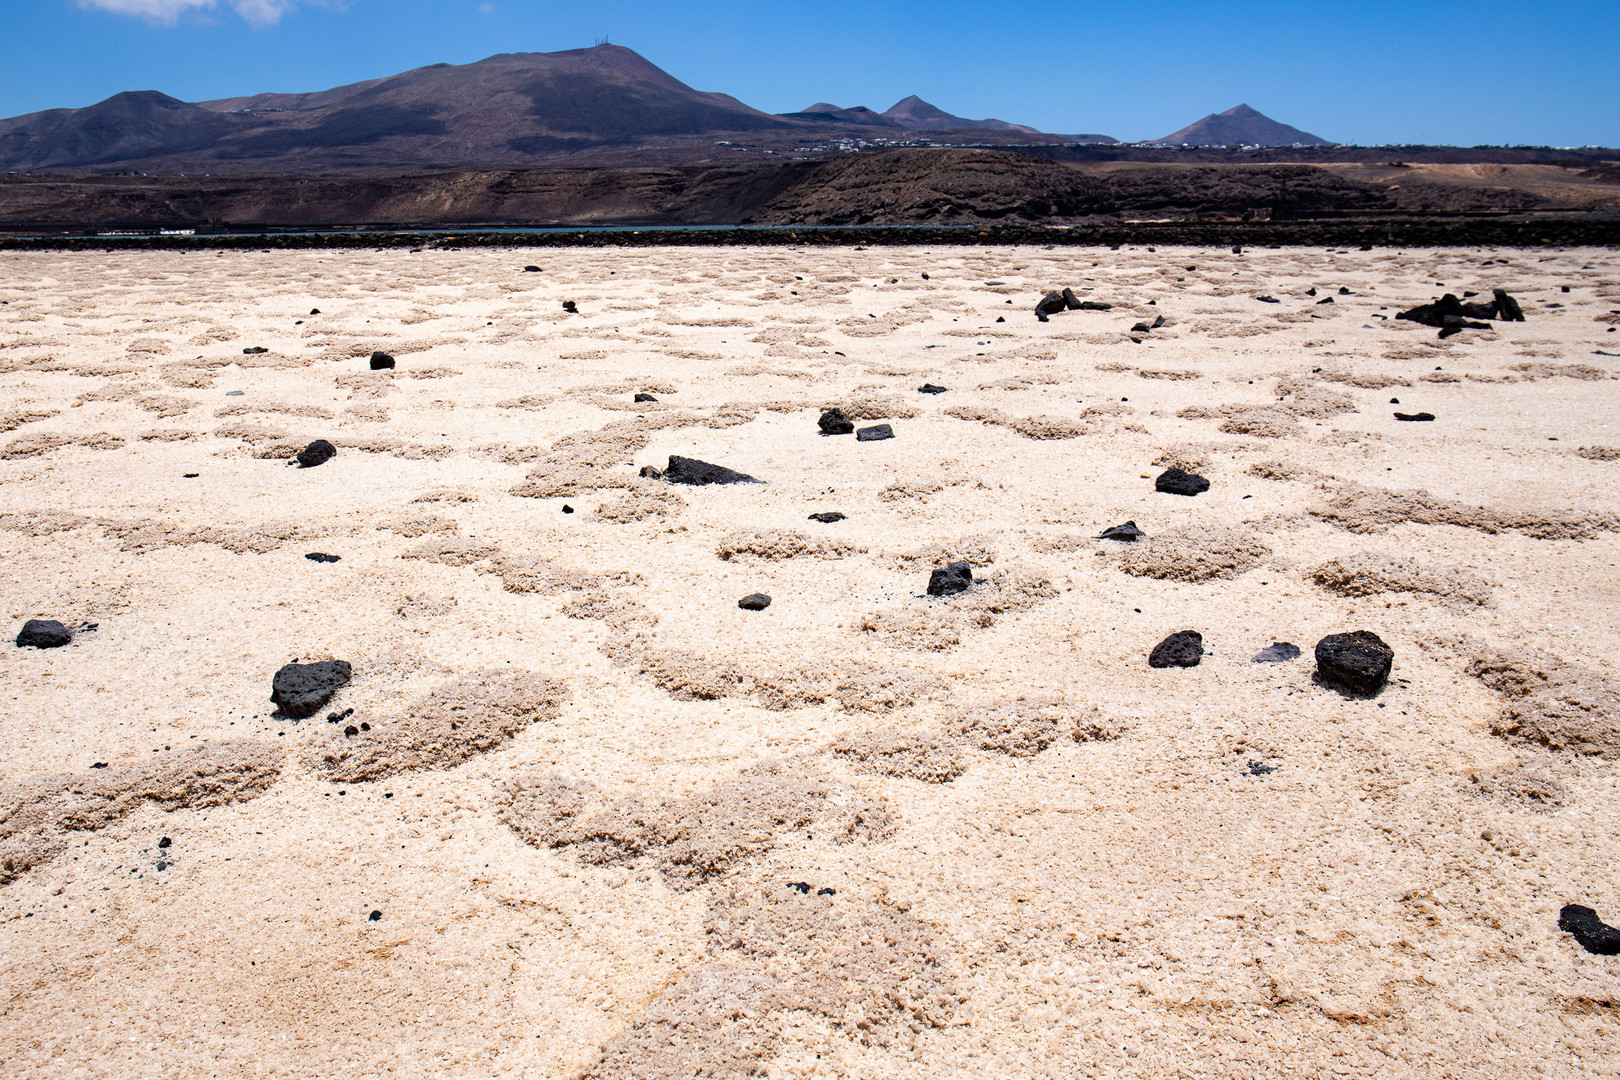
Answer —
578 814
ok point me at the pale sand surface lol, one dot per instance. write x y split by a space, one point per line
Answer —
582 848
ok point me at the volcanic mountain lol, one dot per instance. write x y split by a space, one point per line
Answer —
1241 126
509 110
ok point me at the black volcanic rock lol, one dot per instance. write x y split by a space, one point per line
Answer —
930 388
828 517
1050 304
1416 417
691 471
1184 648
953 579
1071 302
301 690
834 422
1359 660
1278 652
875 433
381 361
1180 482
1434 314
316 453
1591 933
754 602
43 634
645 399
1127 533
1507 308
323 557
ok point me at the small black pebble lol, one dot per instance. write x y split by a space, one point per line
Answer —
531 269
162 865
165 842
314 311
569 306
1394 401
256 350
1002 318
1260 768
754 602
567 509
375 916
351 731
381 361
365 727
645 397
930 388
826 892
827 518
190 475
800 887
321 556
875 433
1414 416
316 453
99 765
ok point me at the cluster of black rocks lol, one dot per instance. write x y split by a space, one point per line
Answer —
1451 314
1359 661
834 422
1054 302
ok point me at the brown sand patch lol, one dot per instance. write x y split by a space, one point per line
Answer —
1526 783
1367 510
1560 705
1193 555
16 418
699 838
913 755
1025 726
641 503
778 544
1366 573
28 446
938 623
1030 427
1600 453
444 727
40 817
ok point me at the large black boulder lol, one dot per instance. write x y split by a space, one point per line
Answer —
316 453
953 579
834 422
43 634
1178 482
1184 648
1359 660
1592 933
691 471
301 690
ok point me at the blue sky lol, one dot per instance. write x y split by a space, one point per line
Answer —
1482 71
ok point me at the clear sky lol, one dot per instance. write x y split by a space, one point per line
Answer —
1358 71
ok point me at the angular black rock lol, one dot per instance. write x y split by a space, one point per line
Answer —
1260 768
1157 323
531 269
1184 648
321 556
43 634
1141 328
1268 299
314 311
1592 933
1507 308
645 397
691 471
570 307
827 518
1278 652
300 690
834 422
316 453
375 916
1127 533
754 602
256 350
1434 314
930 388
1177 482
875 433
1414 416
1050 304
381 361
1071 301
1359 660
953 579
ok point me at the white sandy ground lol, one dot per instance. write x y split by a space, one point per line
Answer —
1383 903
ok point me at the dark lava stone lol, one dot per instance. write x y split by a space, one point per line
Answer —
1278 652
875 433
1414 416
567 509
381 361
1593 934
300 690
930 388
1359 660
1184 648
257 350
754 602
827 518
321 556
375 916
1141 328
316 453
165 842
570 307
1177 482
1268 299
1050 304
43 634
685 470
834 422
1128 533
953 579
800 887
646 397
531 269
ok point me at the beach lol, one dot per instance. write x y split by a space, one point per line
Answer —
570 838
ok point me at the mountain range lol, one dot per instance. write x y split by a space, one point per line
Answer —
510 110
